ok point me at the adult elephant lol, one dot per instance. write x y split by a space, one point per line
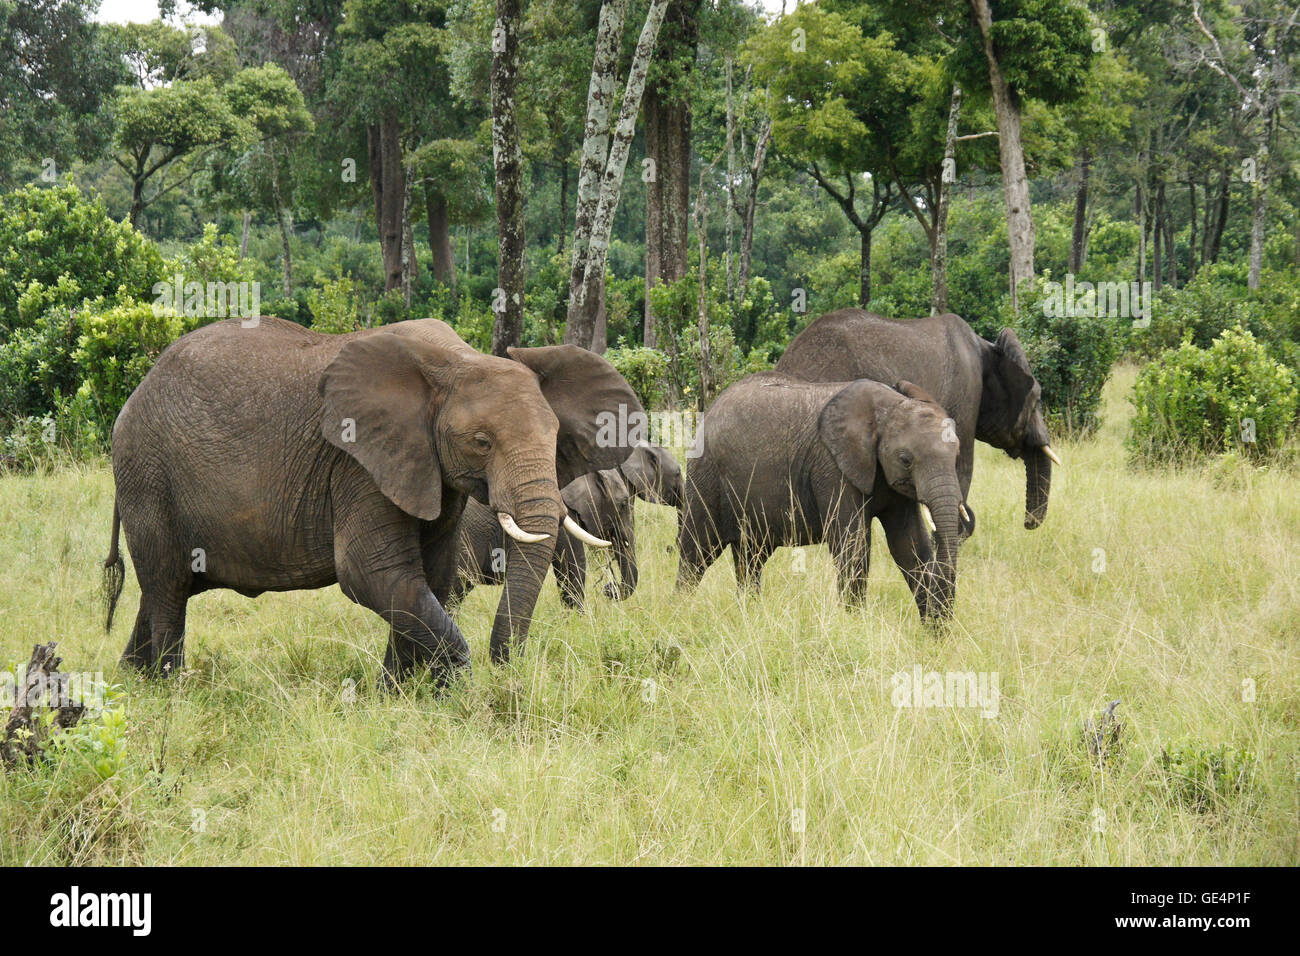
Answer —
274 458
601 503
987 387
784 461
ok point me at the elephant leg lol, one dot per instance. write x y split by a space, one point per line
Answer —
698 545
851 550
570 565
911 548
162 568
749 556
625 555
388 576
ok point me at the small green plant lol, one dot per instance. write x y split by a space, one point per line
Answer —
644 370
334 304
1203 778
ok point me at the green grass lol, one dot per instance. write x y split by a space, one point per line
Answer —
675 729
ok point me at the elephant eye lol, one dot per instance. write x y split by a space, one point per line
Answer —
482 441
906 458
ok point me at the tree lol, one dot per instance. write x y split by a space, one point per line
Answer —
832 91
508 160
1040 49
57 72
175 110
580 328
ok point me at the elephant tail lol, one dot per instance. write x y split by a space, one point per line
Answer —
114 570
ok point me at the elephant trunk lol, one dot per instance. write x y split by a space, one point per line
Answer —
943 497
1038 483
534 510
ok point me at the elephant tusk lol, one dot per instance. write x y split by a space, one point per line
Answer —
582 534
964 513
1047 450
927 518
516 532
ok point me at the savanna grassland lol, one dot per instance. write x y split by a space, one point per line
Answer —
703 729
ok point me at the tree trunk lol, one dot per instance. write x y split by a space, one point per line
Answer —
584 309
1259 209
384 146
668 144
728 258
595 153
444 257
1191 223
1079 237
508 159
1171 248
1215 236
410 268
864 266
284 217
1158 237
939 243
1015 184
654 220
243 239
751 206
564 205
702 298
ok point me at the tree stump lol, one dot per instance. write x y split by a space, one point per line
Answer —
40 687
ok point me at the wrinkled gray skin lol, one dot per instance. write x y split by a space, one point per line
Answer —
987 387
789 462
296 460
602 503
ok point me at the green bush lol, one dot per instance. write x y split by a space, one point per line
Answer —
117 347
1071 355
58 247
644 369
1193 401
334 304
1202 778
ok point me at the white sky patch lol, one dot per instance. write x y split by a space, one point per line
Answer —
142 11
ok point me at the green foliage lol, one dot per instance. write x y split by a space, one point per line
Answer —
644 368
1203 778
334 304
1071 356
97 742
59 247
117 347
1193 401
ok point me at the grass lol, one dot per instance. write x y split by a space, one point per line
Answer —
711 729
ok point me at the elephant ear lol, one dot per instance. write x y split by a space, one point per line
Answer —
601 419
847 426
1022 389
379 397
915 392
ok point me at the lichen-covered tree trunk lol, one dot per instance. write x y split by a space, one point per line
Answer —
751 207
1079 235
583 311
1015 183
508 158
595 152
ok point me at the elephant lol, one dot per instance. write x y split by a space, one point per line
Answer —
788 462
270 457
601 503
987 387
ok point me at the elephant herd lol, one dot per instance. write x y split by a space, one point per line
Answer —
407 467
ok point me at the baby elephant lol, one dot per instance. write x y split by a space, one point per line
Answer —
788 462
601 502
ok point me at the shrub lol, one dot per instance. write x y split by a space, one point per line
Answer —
1071 356
334 304
644 369
1193 401
58 247
117 347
